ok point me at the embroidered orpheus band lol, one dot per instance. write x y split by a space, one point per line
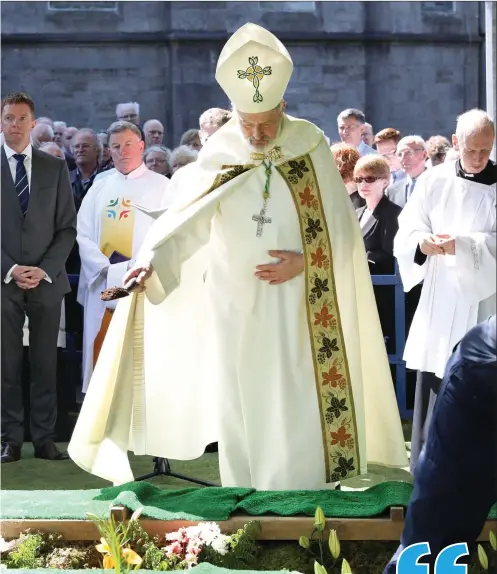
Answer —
333 385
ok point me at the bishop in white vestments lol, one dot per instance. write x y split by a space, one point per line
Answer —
258 327
447 240
111 231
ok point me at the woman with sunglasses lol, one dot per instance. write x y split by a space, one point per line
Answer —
378 221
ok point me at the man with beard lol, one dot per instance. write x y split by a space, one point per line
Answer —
258 323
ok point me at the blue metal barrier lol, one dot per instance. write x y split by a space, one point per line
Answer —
400 337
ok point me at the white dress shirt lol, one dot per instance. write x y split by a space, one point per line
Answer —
366 216
28 152
365 149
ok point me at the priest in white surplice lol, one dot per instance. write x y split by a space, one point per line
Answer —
258 327
447 240
111 231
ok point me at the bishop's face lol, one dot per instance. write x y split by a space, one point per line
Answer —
260 130
475 149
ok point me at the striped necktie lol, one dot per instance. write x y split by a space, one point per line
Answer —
22 185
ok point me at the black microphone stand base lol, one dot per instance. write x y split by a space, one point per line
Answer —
163 468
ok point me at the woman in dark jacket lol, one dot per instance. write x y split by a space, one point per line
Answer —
379 225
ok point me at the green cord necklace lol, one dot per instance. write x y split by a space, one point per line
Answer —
261 218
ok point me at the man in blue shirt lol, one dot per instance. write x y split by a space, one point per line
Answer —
455 483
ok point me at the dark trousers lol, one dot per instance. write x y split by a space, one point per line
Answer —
44 320
455 482
427 387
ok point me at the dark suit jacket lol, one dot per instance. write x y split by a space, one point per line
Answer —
44 238
397 192
77 186
378 235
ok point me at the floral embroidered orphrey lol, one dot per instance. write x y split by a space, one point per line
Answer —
227 173
338 421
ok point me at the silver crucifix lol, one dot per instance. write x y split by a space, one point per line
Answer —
261 220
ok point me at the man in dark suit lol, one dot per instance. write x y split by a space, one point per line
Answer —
38 232
455 481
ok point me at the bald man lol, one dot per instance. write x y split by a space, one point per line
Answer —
154 132
41 133
367 134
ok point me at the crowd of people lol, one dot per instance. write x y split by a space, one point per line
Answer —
380 171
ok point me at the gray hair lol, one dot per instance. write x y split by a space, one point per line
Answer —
352 113
59 124
46 145
158 149
188 137
215 116
472 122
183 152
93 134
417 140
136 105
38 130
121 126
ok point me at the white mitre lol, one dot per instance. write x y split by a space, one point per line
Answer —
254 69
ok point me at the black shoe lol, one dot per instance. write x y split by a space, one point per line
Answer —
49 451
10 453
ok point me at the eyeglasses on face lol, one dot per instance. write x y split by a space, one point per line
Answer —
410 152
366 179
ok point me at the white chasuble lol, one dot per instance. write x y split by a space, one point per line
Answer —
458 290
292 380
110 229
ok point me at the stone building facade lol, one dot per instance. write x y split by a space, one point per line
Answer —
410 65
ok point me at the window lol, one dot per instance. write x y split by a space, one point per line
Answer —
88 6
438 7
288 6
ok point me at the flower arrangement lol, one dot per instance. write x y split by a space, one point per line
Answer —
186 544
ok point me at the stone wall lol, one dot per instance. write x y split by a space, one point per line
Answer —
403 64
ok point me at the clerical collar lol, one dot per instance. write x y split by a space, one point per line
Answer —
136 173
487 176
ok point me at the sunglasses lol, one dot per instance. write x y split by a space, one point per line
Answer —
368 179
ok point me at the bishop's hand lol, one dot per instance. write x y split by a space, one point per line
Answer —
140 272
291 264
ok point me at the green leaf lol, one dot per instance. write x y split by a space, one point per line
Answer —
318 569
319 519
346 567
334 544
482 556
493 540
304 542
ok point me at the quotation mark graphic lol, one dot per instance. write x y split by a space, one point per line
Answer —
444 564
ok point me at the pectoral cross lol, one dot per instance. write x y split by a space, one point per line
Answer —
261 220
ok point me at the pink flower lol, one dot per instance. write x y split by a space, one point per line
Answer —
174 549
